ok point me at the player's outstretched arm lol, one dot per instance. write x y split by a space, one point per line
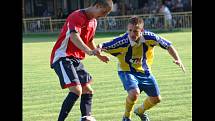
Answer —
172 51
103 58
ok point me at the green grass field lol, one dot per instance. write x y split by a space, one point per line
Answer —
42 95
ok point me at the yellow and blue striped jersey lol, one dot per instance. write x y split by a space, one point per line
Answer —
132 56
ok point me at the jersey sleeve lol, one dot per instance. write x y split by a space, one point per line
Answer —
115 46
162 42
76 22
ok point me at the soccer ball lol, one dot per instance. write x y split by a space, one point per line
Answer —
87 118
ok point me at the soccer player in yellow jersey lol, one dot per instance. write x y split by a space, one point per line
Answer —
135 51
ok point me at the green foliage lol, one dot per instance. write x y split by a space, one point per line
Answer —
42 95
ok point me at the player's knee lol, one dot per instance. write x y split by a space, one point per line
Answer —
158 100
76 89
134 94
87 90
155 100
77 92
135 97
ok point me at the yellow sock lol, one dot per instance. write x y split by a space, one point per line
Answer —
147 104
129 106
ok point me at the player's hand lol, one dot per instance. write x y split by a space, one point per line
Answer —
180 64
104 58
96 51
99 46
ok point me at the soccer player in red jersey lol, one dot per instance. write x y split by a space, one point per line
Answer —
76 39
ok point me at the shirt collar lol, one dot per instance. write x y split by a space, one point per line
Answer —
142 40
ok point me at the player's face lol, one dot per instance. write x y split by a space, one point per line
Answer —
134 32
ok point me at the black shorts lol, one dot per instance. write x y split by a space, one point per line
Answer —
71 72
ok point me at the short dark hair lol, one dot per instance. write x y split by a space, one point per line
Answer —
104 3
137 21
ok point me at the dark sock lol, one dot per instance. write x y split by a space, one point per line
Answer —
85 105
67 105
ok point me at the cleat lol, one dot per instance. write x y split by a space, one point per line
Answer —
87 118
143 117
126 119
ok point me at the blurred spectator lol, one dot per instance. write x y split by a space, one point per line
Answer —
115 7
115 10
129 8
46 13
154 8
60 14
120 7
178 7
145 9
167 16
187 5
112 23
149 6
169 4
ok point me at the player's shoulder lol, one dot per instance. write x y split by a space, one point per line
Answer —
148 35
77 15
77 12
119 41
122 37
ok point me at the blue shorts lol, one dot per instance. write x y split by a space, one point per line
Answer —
71 72
145 82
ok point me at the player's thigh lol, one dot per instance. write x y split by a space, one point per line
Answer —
84 76
128 80
149 85
67 73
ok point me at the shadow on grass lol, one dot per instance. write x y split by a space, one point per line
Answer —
52 37
39 37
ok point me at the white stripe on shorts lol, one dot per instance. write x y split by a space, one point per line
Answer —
65 77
